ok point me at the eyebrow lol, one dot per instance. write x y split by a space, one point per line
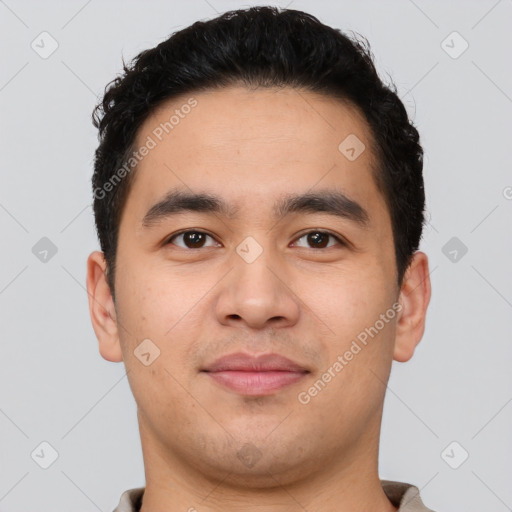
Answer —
332 202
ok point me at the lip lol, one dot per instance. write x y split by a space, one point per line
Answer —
255 375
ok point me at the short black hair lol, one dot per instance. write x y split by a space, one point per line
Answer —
260 47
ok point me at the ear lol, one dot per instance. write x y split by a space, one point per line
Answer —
101 308
414 298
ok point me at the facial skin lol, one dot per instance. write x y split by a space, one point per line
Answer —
306 299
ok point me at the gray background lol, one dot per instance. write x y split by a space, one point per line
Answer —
54 385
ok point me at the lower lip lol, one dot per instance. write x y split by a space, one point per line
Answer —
256 383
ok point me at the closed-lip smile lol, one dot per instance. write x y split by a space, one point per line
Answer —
255 375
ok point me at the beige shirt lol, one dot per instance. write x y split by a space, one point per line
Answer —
404 496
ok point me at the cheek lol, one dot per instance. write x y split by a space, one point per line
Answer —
148 295
155 333
345 301
164 307
357 319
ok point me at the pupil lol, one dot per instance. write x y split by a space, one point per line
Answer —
193 238
314 239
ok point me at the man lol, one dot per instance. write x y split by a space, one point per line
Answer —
259 203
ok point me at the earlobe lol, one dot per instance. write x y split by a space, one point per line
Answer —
101 308
414 299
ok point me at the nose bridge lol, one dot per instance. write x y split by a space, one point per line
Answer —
252 274
255 291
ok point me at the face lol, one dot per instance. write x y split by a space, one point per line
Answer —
260 267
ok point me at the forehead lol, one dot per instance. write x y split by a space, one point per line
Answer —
253 145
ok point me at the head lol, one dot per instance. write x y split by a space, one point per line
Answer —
257 189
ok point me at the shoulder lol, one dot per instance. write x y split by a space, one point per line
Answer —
130 500
405 496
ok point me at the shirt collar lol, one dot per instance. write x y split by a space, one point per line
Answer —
402 495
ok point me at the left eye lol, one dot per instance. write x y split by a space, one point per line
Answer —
320 239
196 239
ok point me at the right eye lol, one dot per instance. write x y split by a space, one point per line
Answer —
190 239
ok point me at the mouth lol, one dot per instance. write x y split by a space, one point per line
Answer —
253 376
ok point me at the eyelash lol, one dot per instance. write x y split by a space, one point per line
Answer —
328 233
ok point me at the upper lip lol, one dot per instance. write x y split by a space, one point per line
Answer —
249 363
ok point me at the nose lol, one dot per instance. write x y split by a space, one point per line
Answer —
257 294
